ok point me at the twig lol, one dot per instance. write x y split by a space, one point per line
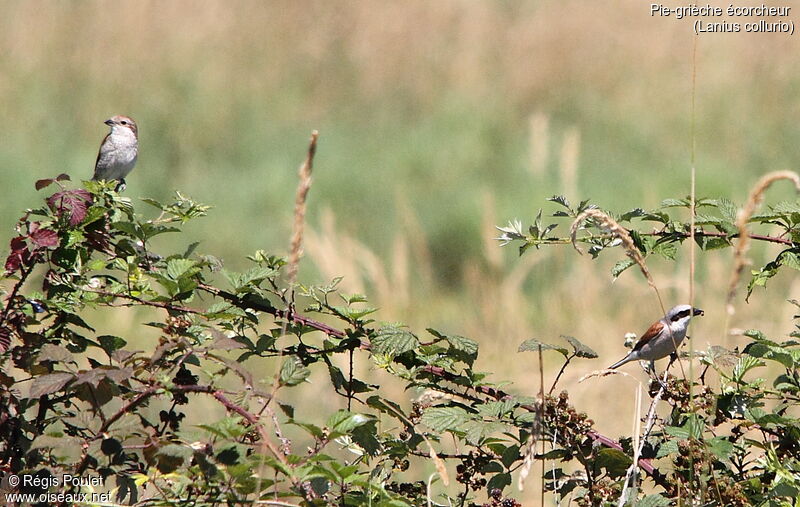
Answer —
433 370
651 417
140 301
560 372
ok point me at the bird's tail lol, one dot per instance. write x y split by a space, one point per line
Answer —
622 361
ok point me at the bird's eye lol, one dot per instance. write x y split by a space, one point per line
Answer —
124 122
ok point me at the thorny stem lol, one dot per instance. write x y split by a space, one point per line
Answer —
433 370
11 297
660 234
560 372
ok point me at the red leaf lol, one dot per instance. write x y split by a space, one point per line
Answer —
40 184
18 256
71 202
45 238
5 338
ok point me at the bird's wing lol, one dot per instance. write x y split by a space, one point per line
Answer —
101 153
648 335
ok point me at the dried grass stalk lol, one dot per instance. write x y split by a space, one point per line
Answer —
619 232
742 219
296 249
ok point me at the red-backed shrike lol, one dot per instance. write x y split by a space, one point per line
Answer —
662 338
118 152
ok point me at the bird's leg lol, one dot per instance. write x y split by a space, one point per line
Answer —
120 186
672 358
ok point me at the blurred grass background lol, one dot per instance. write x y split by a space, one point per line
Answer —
438 120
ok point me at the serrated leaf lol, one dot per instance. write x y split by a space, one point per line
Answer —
700 219
559 199
497 408
621 266
534 345
721 447
48 384
668 250
56 353
71 203
654 501
580 349
634 213
727 209
463 344
344 421
790 259
444 418
614 461
674 203
667 448
499 481
176 268
293 372
393 340
111 343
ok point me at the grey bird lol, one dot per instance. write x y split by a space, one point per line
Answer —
662 338
118 152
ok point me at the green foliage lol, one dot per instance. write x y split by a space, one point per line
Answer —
712 232
80 400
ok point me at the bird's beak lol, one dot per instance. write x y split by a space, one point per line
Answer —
109 122
698 311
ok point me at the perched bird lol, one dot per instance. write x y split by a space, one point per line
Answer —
118 152
662 338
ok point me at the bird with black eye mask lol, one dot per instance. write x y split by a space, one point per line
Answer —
662 338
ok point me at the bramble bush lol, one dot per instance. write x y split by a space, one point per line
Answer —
78 400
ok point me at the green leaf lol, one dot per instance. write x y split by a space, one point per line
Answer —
344 421
614 461
581 350
499 481
476 432
48 384
387 407
674 203
463 344
700 219
790 259
497 408
654 501
668 250
534 345
692 428
445 418
668 447
559 199
727 209
293 372
721 447
111 343
711 243
393 340
634 213
743 365
621 266
177 268
172 456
